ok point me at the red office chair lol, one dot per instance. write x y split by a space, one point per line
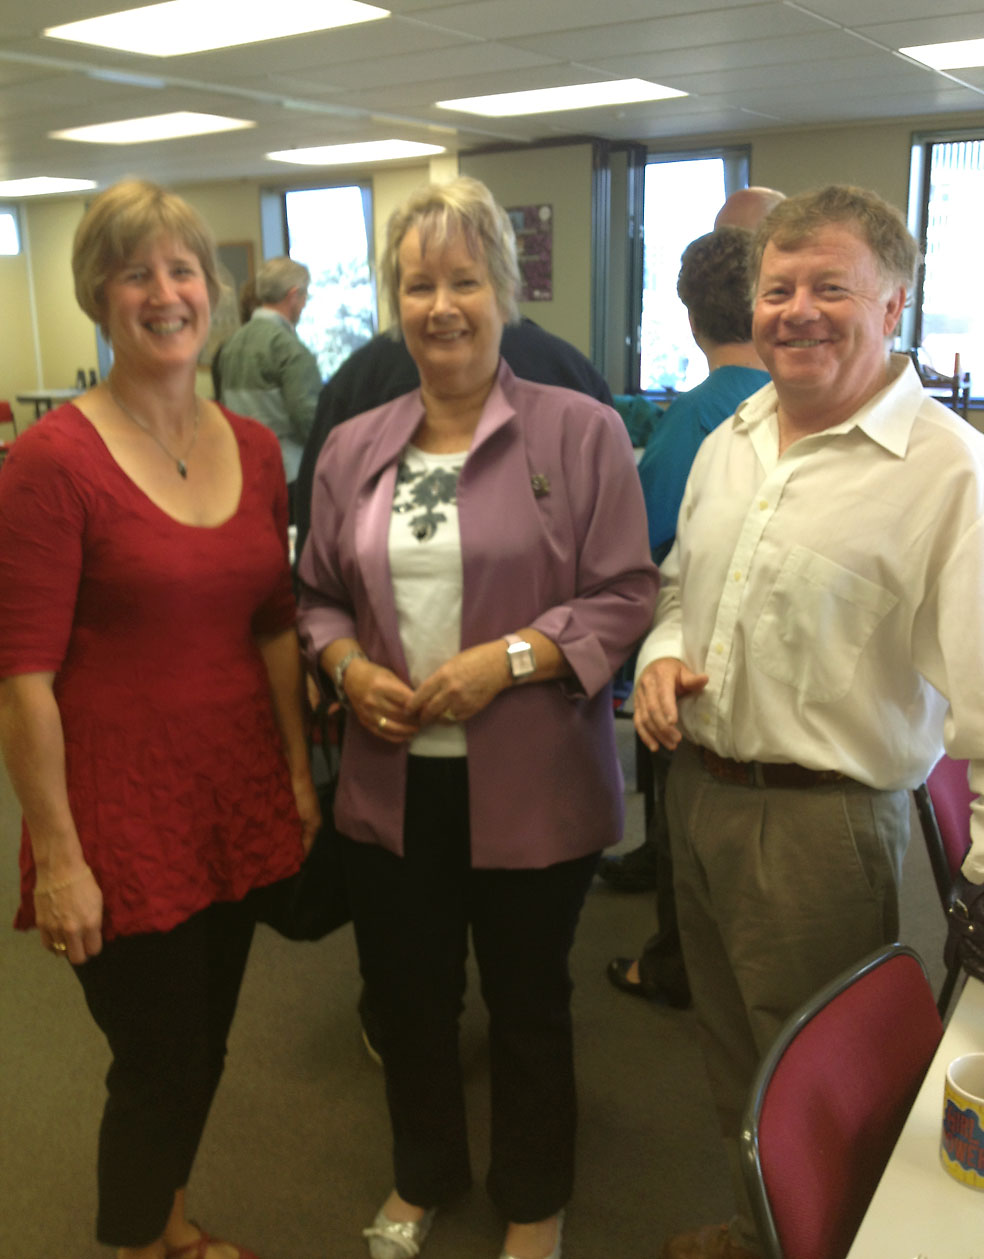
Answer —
943 804
7 416
830 1100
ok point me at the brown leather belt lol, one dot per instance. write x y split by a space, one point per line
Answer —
768 774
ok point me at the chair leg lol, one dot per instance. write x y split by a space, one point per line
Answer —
946 992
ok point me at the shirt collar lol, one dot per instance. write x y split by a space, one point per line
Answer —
887 418
265 312
404 414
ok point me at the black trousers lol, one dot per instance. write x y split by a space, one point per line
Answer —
164 1001
412 916
661 960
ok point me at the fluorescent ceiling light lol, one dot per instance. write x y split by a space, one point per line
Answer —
352 154
547 100
42 185
960 54
154 127
183 26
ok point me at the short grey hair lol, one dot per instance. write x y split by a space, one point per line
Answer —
879 224
277 276
462 207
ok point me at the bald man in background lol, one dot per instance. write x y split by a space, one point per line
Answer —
747 207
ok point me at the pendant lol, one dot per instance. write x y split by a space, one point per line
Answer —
182 469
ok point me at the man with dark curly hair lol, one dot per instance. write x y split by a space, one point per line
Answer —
714 286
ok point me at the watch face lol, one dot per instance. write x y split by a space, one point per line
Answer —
521 662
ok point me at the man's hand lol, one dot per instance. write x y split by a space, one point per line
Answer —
655 701
965 939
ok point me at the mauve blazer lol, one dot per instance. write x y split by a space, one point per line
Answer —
568 555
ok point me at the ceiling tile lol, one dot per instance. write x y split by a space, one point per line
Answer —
926 30
857 13
513 19
745 23
710 58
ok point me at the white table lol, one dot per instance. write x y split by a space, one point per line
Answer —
918 1208
44 399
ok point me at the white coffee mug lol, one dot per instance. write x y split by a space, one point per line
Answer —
962 1143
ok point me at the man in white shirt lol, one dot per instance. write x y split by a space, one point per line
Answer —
820 627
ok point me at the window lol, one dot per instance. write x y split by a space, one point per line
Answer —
945 199
683 193
9 233
328 230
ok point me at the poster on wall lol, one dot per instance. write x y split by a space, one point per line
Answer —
533 225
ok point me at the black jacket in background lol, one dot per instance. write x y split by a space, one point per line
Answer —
382 369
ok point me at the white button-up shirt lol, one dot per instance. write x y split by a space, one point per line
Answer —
835 595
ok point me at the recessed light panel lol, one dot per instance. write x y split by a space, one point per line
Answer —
961 54
184 26
42 185
353 154
552 99
154 127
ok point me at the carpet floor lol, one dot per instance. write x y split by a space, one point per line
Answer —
296 1156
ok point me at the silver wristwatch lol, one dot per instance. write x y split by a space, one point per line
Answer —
519 655
338 673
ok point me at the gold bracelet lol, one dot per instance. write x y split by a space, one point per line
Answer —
58 887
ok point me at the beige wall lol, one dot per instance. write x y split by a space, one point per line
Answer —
17 370
66 336
875 157
231 208
48 351
561 177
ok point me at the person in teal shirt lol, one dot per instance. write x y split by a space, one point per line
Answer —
713 285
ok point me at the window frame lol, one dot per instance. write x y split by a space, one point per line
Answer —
922 142
275 234
737 159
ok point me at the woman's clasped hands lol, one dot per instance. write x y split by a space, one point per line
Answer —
459 689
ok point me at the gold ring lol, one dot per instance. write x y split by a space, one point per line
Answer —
382 723
59 946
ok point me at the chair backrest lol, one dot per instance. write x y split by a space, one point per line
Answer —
830 1100
943 804
951 795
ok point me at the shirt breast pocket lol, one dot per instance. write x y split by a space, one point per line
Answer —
815 624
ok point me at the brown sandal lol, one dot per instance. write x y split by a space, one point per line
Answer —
199 1249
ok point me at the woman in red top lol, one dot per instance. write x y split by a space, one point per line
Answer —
150 701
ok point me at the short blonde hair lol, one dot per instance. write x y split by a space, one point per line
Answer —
121 219
462 207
